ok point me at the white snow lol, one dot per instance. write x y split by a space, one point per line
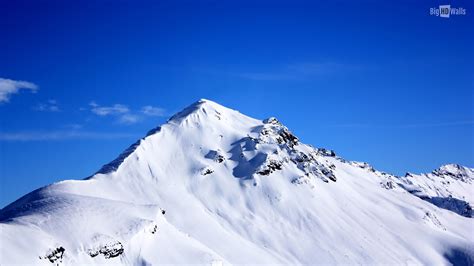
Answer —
270 200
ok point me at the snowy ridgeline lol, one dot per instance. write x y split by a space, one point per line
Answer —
237 190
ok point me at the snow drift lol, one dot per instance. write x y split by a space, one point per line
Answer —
213 186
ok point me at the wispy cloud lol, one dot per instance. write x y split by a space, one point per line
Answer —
120 111
322 68
125 115
289 71
108 110
9 87
61 135
297 71
49 106
153 111
129 119
403 126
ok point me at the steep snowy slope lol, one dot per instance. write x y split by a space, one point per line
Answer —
213 186
448 187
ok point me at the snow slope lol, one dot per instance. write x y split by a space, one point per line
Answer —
215 187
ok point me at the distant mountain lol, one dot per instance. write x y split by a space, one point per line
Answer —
213 186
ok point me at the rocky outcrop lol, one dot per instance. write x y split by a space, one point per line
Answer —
55 256
455 171
325 152
274 132
110 250
269 167
216 156
206 170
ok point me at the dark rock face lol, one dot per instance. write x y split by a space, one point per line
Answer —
285 136
207 171
280 133
328 173
455 171
219 158
301 158
389 184
310 166
325 152
283 149
271 166
110 250
55 256
363 165
272 120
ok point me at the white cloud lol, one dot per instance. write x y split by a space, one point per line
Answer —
49 106
9 87
294 71
129 119
108 110
125 115
153 111
61 135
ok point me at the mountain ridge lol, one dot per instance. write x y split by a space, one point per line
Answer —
195 106
223 177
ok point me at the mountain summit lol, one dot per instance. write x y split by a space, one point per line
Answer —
213 186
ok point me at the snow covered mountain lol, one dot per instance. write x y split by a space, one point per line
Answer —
213 186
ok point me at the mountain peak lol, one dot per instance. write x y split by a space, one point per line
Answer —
202 105
454 170
224 177
199 112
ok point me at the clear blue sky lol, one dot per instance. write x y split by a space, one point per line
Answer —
380 82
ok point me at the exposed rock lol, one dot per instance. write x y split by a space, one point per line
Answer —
216 156
431 218
302 180
109 250
301 157
455 171
272 120
206 171
325 152
274 132
269 167
387 184
363 165
285 136
219 158
328 173
310 166
218 115
55 256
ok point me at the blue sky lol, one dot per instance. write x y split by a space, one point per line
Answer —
384 83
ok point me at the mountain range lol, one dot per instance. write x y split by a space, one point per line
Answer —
215 187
